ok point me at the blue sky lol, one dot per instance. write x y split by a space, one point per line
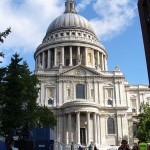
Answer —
116 23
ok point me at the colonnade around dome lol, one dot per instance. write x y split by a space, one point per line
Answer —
71 56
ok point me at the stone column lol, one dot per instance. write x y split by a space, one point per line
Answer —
49 57
43 60
63 91
102 62
70 56
119 128
69 128
55 56
78 127
95 128
103 129
64 129
98 59
60 128
88 127
116 94
39 59
98 130
93 61
85 56
62 56
57 129
78 55
95 90
124 125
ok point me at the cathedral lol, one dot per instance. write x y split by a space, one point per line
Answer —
91 103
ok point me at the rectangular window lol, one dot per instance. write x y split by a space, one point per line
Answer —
74 62
68 92
108 93
133 103
50 102
50 92
67 62
80 91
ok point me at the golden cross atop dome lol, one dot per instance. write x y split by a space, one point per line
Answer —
70 7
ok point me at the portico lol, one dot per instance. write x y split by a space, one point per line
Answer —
80 127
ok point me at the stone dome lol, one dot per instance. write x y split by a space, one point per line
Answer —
69 20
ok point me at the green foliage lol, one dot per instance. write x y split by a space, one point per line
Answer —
1 55
18 95
144 123
46 117
4 34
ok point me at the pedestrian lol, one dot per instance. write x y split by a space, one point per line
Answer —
80 148
10 143
91 146
124 145
95 147
135 147
72 146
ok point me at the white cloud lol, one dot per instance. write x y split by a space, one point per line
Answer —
28 21
83 4
114 16
30 18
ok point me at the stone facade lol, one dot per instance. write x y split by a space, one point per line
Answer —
90 102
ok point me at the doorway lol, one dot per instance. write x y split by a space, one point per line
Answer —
82 136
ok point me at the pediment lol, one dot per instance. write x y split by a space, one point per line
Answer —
108 84
80 71
50 83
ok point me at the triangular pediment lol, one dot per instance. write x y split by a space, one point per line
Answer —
80 70
108 84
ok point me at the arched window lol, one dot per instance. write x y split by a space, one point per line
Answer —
50 102
135 129
111 126
80 91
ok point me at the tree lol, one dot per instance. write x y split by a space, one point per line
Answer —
144 123
1 55
19 90
46 117
4 34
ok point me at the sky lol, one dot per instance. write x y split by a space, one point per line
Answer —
115 22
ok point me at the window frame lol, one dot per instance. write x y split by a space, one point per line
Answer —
83 89
111 126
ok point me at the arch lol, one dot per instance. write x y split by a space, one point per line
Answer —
110 126
135 129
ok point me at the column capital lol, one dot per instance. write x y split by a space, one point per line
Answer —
88 112
70 56
77 111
